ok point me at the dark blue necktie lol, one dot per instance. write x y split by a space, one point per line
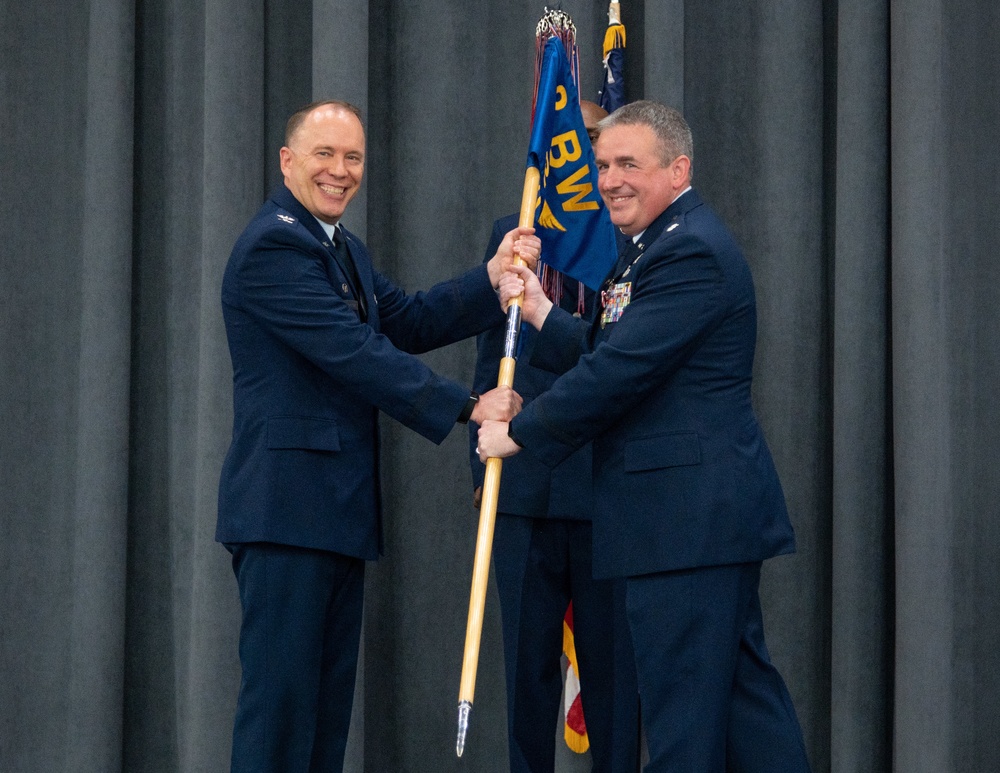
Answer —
343 256
629 251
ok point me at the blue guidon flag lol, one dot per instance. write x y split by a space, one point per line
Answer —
571 219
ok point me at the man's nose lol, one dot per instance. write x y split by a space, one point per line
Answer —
608 179
336 166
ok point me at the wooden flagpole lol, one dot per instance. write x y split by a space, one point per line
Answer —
554 23
491 492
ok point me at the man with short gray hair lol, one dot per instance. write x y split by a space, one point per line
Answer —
688 502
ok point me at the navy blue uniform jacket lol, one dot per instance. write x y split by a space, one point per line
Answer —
309 378
682 474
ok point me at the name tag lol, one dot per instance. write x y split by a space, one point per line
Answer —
615 300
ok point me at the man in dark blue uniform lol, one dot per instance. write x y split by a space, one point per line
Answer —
320 342
687 499
542 558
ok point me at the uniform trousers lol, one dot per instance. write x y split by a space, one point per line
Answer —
540 564
711 699
299 653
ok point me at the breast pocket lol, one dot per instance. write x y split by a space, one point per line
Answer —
673 449
302 432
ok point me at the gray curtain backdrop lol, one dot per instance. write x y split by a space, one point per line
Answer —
852 147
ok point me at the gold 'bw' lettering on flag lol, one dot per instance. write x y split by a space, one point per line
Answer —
572 192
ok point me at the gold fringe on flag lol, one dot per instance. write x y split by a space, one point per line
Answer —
614 37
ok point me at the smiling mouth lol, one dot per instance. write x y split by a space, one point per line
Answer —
332 190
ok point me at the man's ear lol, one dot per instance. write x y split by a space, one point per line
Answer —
681 171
